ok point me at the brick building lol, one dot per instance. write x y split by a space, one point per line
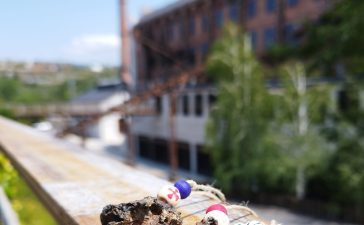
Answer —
185 30
182 33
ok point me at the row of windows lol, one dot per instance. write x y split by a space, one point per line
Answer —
176 28
234 13
184 106
158 150
270 36
270 6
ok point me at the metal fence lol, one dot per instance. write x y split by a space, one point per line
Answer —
7 214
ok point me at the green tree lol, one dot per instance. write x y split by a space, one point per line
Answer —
334 40
296 128
240 117
8 88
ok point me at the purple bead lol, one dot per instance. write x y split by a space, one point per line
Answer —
184 188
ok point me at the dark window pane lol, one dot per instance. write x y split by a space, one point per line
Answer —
290 34
162 151
205 23
252 8
204 164
144 145
185 105
192 26
204 50
158 105
219 18
212 100
184 156
198 105
269 37
271 5
253 39
234 12
292 3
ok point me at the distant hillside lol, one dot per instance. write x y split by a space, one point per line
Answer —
43 73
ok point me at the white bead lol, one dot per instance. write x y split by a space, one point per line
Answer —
169 194
219 216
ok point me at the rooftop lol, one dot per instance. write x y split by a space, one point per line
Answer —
165 10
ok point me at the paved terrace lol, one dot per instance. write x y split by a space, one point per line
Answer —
75 185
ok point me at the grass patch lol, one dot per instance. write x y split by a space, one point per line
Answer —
24 202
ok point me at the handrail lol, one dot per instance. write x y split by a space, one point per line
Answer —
74 185
7 214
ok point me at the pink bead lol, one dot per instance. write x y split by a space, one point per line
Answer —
218 207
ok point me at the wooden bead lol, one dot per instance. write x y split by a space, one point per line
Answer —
184 188
219 216
169 194
218 207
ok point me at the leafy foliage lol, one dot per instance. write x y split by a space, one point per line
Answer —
29 209
335 39
239 119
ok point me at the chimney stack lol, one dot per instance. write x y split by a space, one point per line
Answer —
125 57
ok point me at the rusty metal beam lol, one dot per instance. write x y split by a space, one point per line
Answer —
128 108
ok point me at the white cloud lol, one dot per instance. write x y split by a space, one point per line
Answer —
94 44
94 48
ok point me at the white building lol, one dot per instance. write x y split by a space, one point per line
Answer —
99 100
152 133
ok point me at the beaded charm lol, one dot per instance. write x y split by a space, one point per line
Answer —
169 194
184 188
219 213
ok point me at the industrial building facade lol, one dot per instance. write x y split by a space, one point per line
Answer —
179 37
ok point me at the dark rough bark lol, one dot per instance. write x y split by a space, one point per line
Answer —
208 221
148 211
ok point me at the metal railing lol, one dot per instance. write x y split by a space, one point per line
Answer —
7 214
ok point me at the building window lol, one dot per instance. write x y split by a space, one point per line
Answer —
146 149
204 162
234 12
212 100
176 31
269 37
158 104
290 36
252 8
292 3
219 18
161 150
271 5
205 23
183 155
204 50
198 105
253 39
191 26
185 105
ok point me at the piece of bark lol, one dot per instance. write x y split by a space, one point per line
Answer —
208 221
148 211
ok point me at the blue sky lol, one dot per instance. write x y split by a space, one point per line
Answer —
76 31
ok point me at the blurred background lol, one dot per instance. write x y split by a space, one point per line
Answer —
263 98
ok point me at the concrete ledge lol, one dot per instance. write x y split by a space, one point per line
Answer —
75 185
